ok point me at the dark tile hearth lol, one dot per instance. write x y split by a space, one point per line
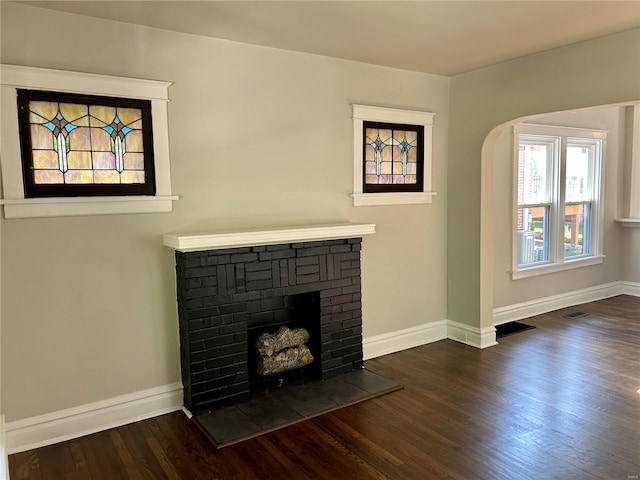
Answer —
281 407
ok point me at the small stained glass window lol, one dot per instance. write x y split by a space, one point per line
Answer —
393 157
83 145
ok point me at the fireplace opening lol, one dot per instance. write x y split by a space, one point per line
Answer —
294 312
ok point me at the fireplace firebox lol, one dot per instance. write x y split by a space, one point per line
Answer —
228 296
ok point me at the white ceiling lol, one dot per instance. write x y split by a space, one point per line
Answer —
441 37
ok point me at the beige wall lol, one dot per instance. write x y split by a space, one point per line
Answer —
602 71
631 246
258 137
509 292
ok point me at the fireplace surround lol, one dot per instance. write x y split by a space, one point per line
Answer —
232 286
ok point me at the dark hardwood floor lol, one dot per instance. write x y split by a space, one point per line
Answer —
560 401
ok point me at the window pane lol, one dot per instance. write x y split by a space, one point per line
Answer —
578 175
533 171
77 145
576 229
533 238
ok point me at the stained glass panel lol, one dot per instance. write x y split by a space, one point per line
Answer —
87 142
392 153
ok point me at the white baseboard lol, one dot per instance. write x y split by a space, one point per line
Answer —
539 306
474 336
94 417
392 342
4 461
631 288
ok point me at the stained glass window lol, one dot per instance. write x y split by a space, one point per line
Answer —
77 145
393 159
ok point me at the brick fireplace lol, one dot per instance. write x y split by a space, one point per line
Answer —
232 286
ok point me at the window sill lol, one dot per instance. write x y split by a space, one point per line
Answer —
629 222
64 207
405 198
557 267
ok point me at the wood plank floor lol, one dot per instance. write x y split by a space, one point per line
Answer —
560 401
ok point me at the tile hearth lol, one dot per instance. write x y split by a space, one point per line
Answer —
282 407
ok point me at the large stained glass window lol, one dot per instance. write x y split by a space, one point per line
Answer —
393 157
81 145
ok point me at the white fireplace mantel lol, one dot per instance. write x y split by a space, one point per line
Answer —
191 242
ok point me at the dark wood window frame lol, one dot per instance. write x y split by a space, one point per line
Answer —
33 190
388 188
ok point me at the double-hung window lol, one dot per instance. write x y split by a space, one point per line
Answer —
558 198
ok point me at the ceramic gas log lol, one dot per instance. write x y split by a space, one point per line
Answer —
282 351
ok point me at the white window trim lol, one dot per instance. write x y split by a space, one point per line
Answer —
632 172
559 263
362 113
16 205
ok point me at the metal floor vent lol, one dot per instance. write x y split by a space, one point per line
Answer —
576 315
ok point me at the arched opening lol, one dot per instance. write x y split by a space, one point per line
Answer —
504 299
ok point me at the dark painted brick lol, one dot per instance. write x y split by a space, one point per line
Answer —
257 266
272 303
291 266
275 273
221 273
221 361
331 292
351 289
209 281
316 243
284 246
210 301
261 318
356 340
280 254
231 277
313 277
233 328
350 272
258 275
351 256
332 363
340 249
244 257
347 307
203 334
337 300
194 303
220 340
355 357
305 252
196 345
265 256
322 263
233 308
300 262
272 292
259 284
200 272
193 283
198 292
355 322
307 269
